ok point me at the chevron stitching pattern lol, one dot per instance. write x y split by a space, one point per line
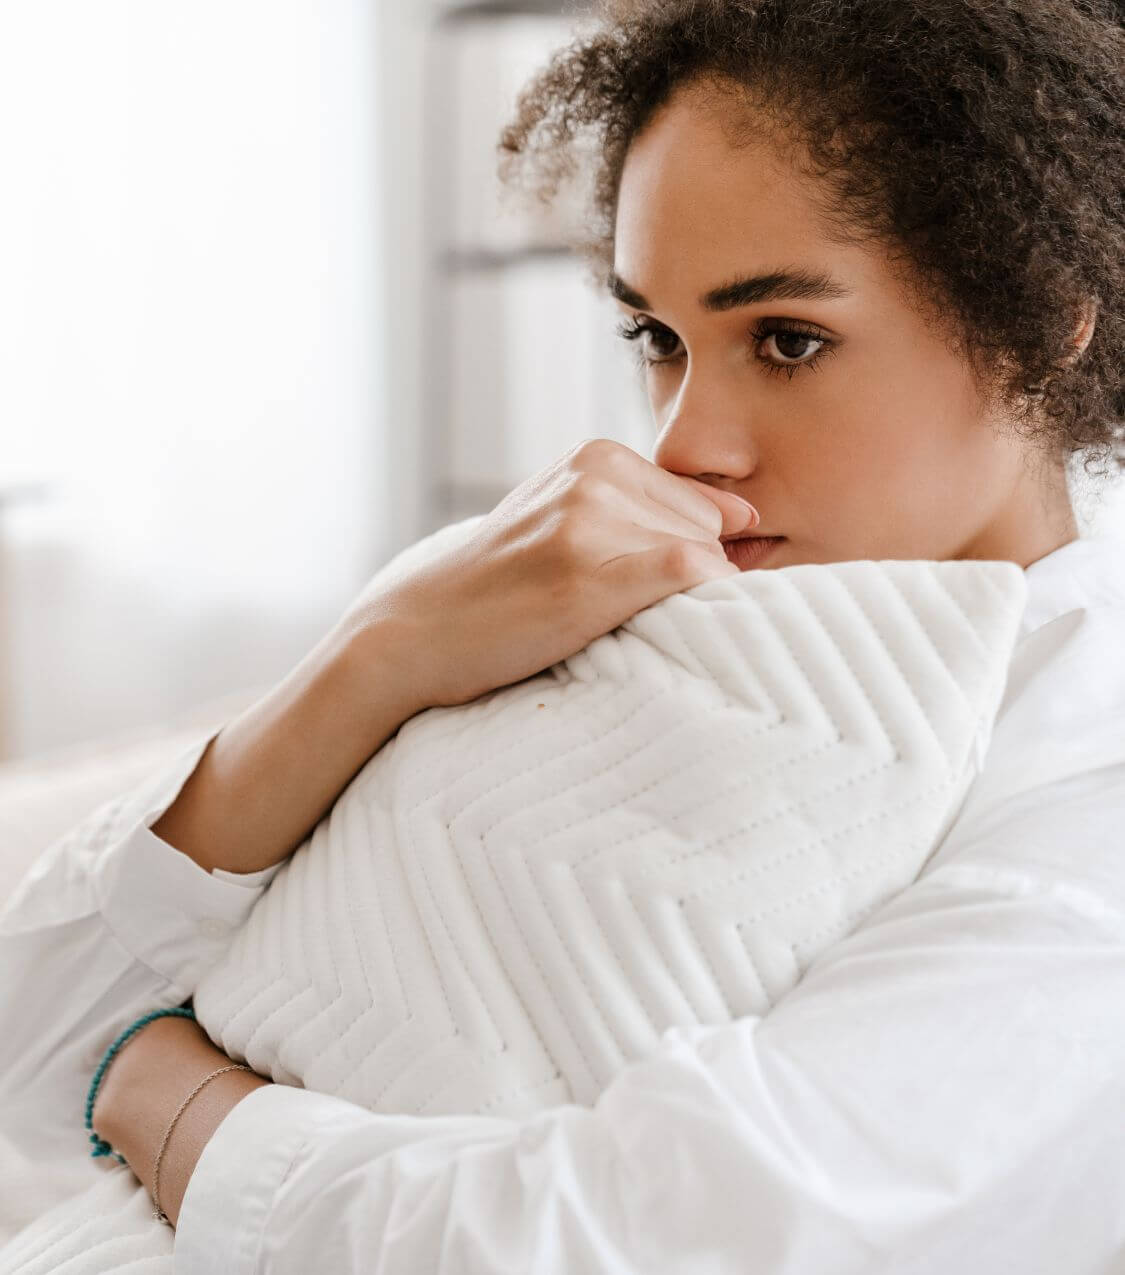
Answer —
517 896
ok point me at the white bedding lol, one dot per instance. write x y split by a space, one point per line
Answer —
517 896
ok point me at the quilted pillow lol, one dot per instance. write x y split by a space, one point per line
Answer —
519 895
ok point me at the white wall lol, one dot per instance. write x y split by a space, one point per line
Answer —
190 243
1099 506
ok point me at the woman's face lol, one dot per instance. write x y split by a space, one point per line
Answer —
844 418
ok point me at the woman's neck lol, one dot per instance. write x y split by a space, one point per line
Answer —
1035 520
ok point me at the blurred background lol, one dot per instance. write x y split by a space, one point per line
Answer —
264 323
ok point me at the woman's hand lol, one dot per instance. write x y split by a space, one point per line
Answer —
570 554
142 1090
567 556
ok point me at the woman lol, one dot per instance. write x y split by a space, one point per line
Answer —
913 211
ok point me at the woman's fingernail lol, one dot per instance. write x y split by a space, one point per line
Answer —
755 517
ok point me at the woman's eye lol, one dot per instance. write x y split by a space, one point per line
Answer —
792 346
657 344
788 346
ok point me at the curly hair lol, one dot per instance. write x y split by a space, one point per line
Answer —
981 141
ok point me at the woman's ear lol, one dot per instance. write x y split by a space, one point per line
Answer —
1080 340
1085 329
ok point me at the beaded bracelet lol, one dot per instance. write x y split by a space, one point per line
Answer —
101 1147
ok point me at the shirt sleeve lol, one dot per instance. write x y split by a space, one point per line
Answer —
108 923
943 1091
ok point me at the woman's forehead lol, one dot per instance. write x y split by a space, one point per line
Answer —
714 195
719 223
685 188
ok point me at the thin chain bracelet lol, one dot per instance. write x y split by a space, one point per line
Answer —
158 1213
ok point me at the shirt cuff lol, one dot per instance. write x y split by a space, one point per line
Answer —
164 908
245 1207
225 1212
263 877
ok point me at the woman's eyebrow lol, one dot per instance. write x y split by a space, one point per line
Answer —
777 285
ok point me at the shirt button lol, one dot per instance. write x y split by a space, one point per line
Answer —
214 928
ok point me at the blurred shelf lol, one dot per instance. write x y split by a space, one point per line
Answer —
488 260
493 10
13 492
22 491
484 376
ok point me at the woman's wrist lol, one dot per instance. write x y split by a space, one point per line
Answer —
143 1089
271 774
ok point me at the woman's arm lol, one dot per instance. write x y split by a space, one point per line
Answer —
270 775
943 1091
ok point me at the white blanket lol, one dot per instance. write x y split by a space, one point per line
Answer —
517 896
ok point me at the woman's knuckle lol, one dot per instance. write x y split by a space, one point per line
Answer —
593 453
585 490
565 538
683 557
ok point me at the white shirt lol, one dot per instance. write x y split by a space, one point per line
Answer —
943 1091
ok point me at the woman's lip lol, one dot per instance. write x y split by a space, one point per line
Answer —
748 551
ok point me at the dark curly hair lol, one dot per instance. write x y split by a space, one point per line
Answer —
981 141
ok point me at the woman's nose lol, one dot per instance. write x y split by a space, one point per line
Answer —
707 429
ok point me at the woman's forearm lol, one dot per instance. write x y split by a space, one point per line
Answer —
271 774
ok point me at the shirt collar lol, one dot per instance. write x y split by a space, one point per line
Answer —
1086 572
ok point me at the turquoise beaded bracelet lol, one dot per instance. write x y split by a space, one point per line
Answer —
101 1147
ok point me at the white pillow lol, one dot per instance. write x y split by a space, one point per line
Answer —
517 896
